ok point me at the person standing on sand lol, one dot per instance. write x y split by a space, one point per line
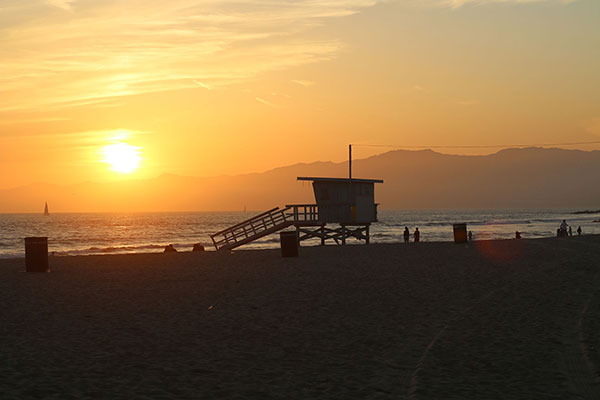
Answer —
417 235
406 234
570 231
579 231
470 235
563 228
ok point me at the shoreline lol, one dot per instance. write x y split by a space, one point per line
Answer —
92 234
330 245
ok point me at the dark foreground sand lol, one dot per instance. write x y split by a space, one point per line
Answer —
489 320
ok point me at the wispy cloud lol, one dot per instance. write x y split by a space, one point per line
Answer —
78 138
202 84
73 52
64 4
101 50
460 3
303 82
31 120
267 103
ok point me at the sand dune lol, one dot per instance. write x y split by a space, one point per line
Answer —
488 320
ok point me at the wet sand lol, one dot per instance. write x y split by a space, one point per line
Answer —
488 320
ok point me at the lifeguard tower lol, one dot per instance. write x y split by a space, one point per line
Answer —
347 204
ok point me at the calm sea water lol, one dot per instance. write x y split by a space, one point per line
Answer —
72 234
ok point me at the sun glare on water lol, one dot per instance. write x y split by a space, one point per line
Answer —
122 157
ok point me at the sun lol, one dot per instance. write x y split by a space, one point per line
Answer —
122 157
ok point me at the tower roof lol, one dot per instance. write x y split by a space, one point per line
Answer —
307 178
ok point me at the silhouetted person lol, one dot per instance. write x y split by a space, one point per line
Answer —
570 231
470 235
198 247
417 235
563 228
579 231
406 234
558 232
170 249
517 235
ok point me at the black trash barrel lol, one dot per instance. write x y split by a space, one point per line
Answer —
289 244
36 254
460 233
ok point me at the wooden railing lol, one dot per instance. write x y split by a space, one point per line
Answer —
248 221
303 212
263 224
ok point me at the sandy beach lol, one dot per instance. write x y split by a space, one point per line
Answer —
511 319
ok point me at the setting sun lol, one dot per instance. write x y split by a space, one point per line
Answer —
122 157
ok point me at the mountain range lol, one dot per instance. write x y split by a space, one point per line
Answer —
511 178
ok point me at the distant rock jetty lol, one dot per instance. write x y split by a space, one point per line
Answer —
587 212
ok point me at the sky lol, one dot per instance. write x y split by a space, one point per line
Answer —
214 87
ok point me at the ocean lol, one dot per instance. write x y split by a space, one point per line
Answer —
117 233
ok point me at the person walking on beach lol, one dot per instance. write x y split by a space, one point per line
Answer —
470 236
579 231
406 234
570 231
417 235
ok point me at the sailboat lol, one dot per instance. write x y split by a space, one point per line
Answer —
46 209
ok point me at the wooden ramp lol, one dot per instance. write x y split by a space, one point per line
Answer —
305 219
254 228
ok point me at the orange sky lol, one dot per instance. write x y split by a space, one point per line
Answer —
204 88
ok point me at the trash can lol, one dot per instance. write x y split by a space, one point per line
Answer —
36 254
289 244
460 233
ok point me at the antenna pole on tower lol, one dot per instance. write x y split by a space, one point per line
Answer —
350 162
350 174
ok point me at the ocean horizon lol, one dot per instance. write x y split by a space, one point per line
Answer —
142 232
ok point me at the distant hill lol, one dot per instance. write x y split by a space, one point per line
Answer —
512 178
